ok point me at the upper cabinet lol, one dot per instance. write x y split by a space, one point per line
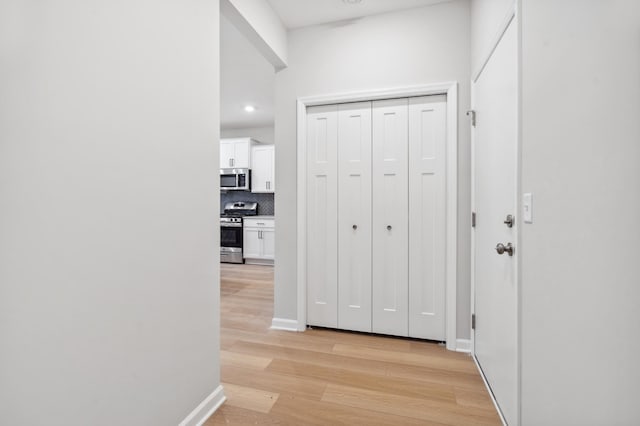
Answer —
263 168
236 153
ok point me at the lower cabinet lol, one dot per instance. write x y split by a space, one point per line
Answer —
259 241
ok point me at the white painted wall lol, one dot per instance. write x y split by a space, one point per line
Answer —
580 257
262 26
246 78
417 46
262 134
486 19
109 289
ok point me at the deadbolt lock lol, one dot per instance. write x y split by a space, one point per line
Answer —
509 221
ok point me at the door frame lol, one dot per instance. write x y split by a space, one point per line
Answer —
512 17
450 89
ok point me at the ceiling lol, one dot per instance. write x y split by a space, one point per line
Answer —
302 13
246 77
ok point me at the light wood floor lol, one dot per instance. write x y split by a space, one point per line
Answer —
324 377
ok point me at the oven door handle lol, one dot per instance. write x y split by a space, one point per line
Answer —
231 225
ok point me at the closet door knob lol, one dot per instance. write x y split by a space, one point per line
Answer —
388 227
355 226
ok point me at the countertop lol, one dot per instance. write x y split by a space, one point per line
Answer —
259 217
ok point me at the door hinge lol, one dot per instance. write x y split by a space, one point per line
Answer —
473 219
472 114
473 321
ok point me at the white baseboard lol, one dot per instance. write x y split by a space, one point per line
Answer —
206 408
284 324
463 345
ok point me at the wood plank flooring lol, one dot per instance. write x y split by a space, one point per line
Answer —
325 377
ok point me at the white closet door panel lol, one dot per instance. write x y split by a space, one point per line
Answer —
427 217
354 216
390 222
322 216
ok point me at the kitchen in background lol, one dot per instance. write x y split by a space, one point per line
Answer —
265 202
247 151
247 185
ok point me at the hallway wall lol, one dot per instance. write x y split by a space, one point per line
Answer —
109 291
411 47
580 156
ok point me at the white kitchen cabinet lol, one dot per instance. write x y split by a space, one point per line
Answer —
259 240
268 239
263 168
376 216
236 153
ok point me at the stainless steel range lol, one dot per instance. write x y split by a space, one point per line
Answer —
231 230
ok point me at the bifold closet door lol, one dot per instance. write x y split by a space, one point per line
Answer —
322 216
390 217
354 216
427 216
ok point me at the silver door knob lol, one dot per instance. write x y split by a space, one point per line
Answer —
355 226
388 227
502 249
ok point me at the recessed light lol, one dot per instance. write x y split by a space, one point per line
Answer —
249 108
352 1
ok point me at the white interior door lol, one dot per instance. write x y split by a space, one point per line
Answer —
390 222
354 216
495 164
322 216
427 216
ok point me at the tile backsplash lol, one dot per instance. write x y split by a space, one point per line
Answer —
265 202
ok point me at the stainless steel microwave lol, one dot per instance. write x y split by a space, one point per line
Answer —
235 179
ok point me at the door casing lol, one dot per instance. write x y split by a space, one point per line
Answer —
450 89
